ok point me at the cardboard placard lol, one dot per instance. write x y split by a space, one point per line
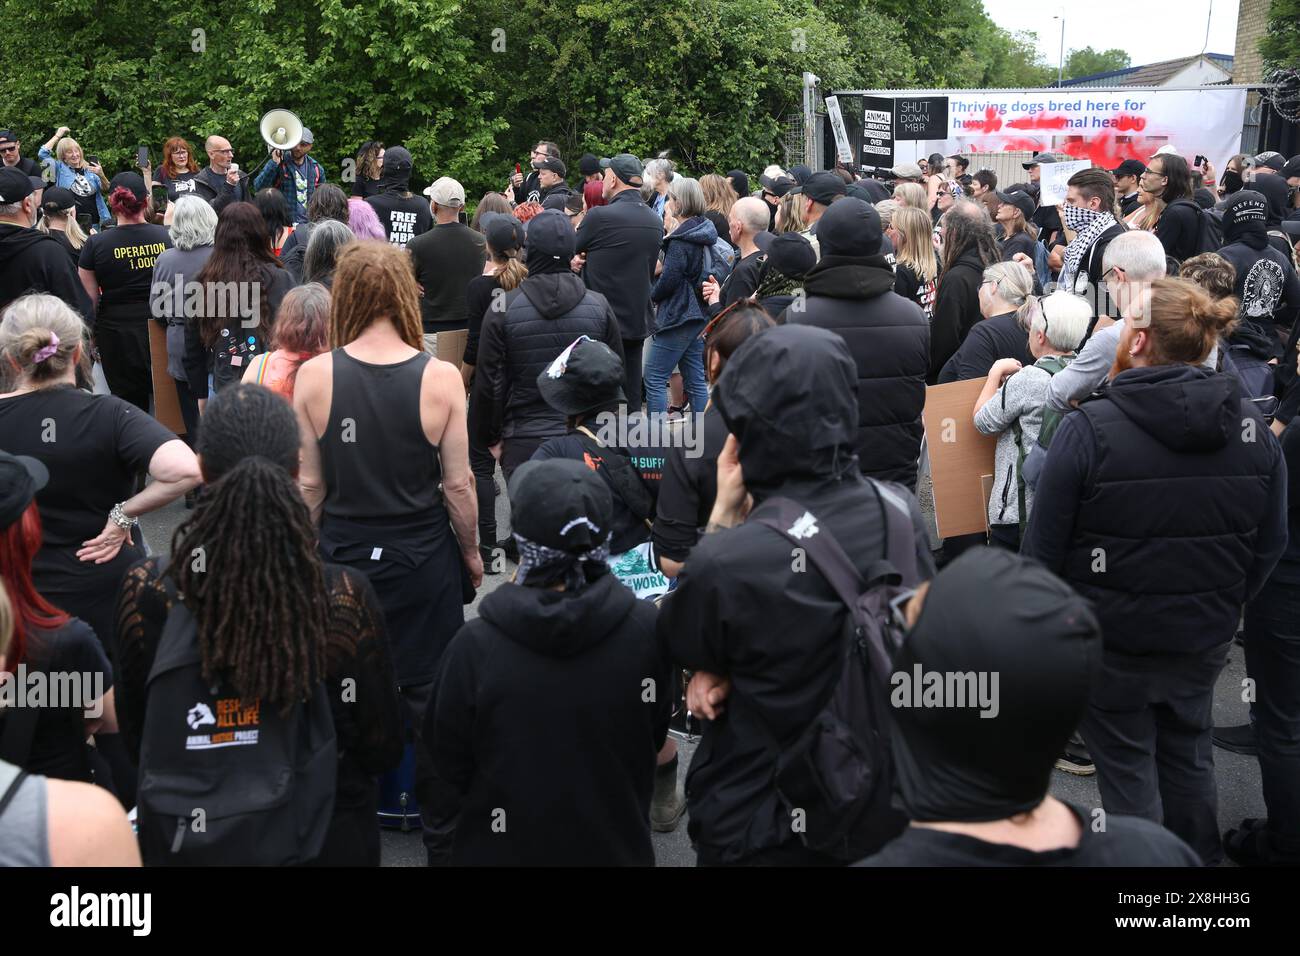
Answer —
166 404
843 151
1053 179
961 459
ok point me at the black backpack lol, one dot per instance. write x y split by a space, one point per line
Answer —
1209 227
224 781
839 771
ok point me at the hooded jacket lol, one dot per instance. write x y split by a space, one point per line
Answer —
1163 500
31 261
741 609
1266 284
541 712
889 339
621 240
541 319
956 309
1275 192
676 292
403 216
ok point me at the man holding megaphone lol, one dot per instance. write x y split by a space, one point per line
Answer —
222 176
289 168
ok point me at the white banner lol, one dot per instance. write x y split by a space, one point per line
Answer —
842 147
1104 126
1054 178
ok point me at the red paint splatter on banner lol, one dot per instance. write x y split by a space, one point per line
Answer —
991 122
1039 121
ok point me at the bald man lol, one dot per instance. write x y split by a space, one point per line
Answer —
747 219
219 181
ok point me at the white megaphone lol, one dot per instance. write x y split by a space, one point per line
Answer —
281 129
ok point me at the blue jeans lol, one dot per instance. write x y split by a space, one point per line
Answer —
678 346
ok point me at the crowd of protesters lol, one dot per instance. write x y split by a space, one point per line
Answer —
704 404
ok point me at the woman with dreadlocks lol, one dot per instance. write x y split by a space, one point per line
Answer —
273 619
969 247
385 466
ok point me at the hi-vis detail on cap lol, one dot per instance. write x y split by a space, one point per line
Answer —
556 368
805 527
237 724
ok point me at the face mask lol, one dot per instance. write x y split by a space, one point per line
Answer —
1077 218
1232 182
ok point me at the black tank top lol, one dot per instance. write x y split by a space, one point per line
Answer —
375 458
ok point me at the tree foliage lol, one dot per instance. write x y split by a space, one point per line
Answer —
1088 61
1281 45
469 85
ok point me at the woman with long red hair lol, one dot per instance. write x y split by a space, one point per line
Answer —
176 174
46 736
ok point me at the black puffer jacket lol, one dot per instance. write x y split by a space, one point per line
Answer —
1154 505
740 610
889 339
542 318
956 309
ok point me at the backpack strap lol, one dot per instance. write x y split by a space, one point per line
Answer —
11 781
622 476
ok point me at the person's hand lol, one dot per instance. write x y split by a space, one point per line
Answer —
1207 172
98 170
496 451
275 156
474 561
1003 368
577 262
232 177
420 286
670 223
62 131
1024 260
732 502
712 291
106 546
516 179
706 694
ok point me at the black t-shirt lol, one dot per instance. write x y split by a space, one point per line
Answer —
997 337
61 237
364 187
58 742
83 188
182 184
123 260
1020 242
403 217
744 279
99 445
446 259
478 299
1126 841
1177 228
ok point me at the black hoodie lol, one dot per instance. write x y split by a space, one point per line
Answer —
1173 475
1275 191
1266 284
744 609
956 309
403 216
547 717
889 339
31 261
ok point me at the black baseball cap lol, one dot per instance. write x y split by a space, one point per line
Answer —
1130 167
626 167
1291 226
397 159
777 185
850 227
585 377
588 164
801 173
1022 201
20 478
554 164
562 504
8 136
16 185
56 199
789 253
822 188
1291 168
1269 160
550 235
502 231
133 182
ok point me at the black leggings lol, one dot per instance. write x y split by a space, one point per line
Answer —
124 352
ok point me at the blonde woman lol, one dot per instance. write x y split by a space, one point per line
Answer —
789 214
916 272
911 194
1147 215
76 172
59 221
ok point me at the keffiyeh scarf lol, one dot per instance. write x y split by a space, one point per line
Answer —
1087 225
543 566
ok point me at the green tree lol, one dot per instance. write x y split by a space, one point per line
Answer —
1088 61
1281 45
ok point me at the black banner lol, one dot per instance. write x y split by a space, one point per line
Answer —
878 131
921 117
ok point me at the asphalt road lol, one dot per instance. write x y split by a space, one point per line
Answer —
1238 777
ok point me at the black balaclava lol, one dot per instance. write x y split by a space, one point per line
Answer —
549 245
1275 191
1231 182
996 613
1244 215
